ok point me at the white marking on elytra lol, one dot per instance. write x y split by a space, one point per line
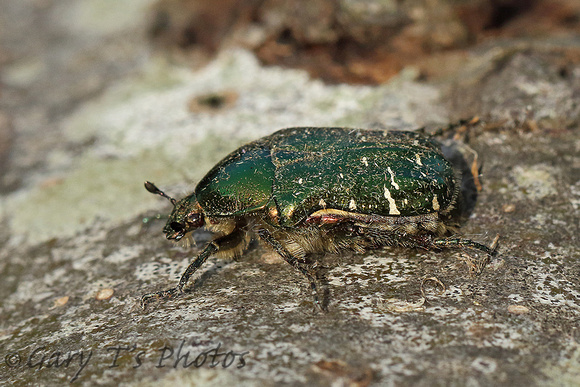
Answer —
418 159
365 161
393 183
288 211
392 205
352 205
435 203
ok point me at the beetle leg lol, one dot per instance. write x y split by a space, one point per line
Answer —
267 237
459 127
225 242
450 243
210 249
476 266
424 241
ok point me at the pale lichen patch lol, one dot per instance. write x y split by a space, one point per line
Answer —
392 205
393 182
436 206
418 159
352 205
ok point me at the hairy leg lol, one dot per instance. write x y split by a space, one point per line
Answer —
226 242
267 237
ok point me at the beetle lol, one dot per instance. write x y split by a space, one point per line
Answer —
309 190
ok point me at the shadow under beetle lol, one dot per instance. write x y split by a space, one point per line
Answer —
312 190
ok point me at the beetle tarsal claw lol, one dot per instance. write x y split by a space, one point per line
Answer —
163 294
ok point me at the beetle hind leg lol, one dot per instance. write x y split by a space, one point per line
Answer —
476 266
425 240
451 243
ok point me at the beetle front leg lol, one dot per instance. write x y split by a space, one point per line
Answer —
225 242
267 237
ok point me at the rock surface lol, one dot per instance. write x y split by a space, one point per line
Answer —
89 111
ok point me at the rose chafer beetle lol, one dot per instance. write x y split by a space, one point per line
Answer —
314 190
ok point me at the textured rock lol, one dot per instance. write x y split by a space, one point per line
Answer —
76 253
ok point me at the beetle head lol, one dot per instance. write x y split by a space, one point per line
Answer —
186 216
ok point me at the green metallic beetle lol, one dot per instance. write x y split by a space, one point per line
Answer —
311 190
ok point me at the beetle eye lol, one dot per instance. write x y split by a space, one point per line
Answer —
194 220
176 226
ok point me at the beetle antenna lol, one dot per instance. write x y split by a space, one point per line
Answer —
149 186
